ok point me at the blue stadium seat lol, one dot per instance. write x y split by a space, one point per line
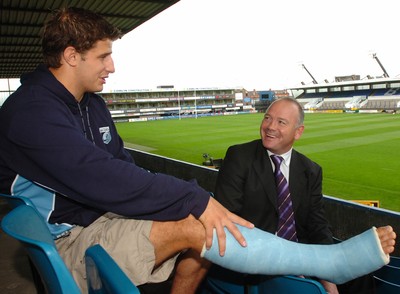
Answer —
13 202
281 285
290 284
212 285
26 225
104 275
387 278
385 287
389 274
394 261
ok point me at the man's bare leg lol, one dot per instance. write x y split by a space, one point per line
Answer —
190 271
270 255
170 238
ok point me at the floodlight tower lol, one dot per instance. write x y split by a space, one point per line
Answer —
314 80
385 74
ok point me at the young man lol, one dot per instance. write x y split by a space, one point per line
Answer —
60 148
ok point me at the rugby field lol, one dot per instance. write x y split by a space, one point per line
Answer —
359 153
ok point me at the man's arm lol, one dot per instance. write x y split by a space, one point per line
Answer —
49 148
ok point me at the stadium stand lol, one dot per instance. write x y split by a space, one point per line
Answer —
315 98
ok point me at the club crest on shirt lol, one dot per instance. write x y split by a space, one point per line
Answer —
105 134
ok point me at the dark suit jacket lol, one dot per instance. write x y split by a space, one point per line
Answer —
246 186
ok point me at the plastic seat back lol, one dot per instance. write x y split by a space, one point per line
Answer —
27 226
389 273
394 261
385 287
281 285
213 285
387 279
15 201
104 276
290 284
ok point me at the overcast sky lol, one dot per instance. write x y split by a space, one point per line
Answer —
258 44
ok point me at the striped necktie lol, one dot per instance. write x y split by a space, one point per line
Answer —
286 225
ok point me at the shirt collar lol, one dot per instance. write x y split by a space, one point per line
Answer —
286 156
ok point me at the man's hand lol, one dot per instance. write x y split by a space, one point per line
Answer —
216 216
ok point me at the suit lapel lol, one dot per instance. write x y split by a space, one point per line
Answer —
297 179
263 168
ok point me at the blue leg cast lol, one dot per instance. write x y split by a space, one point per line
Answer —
268 254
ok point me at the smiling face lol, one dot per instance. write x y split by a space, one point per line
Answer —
281 126
94 66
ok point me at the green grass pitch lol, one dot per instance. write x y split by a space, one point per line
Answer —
359 153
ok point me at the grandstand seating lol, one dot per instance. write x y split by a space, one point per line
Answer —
378 99
381 104
314 103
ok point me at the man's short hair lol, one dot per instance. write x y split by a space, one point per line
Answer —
74 27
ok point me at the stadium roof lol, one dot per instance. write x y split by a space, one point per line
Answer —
21 22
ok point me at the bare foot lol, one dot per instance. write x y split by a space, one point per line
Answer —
387 237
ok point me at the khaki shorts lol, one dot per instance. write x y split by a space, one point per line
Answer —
126 240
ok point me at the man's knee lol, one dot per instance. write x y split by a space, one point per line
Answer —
182 234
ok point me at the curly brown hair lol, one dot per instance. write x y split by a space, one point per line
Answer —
74 27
